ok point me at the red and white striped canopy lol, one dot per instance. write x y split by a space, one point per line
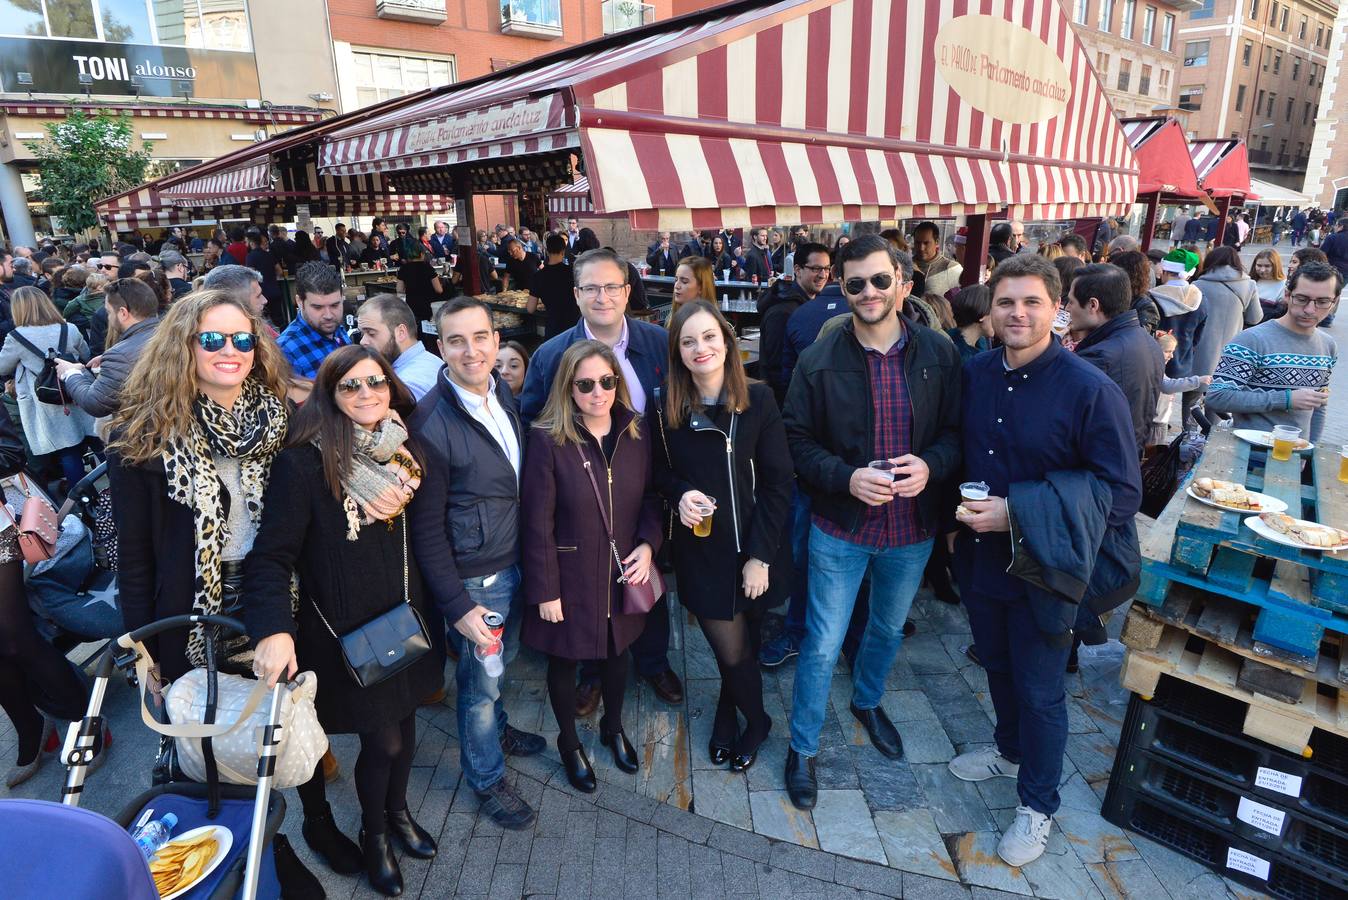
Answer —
571 199
1223 167
891 109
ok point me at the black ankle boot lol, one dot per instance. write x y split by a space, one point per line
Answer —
380 866
337 851
624 754
297 882
578 769
415 839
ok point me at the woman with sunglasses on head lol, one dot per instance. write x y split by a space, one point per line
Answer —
720 436
334 515
588 467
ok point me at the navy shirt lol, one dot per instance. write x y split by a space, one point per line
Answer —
802 329
1056 413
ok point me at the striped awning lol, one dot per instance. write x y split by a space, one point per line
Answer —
1162 151
571 199
165 111
230 186
686 124
1223 167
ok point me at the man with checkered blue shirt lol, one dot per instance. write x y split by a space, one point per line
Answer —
877 389
317 330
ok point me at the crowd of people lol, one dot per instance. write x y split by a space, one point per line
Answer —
901 428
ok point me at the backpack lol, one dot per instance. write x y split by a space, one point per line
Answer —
47 385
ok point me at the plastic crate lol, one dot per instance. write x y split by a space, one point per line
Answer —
1201 729
1240 860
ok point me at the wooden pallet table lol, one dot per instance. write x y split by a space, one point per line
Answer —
1301 594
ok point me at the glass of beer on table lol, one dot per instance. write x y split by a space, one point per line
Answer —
1343 463
1285 441
704 508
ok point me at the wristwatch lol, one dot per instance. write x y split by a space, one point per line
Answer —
761 563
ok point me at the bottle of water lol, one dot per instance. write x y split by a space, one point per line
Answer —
153 835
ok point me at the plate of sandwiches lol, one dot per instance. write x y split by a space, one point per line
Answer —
1299 533
1233 497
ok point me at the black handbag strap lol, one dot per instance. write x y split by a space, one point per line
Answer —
603 511
407 597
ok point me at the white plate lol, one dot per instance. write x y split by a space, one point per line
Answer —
1261 528
226 839
1266 503
1264 439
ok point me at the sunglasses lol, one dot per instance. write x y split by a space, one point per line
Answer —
376 383
108 266
586 385
881 281
214 341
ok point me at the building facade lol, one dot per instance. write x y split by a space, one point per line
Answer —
1255 69
1327 170
1133 45
200 78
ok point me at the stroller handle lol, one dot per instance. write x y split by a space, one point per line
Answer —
228 623
73 495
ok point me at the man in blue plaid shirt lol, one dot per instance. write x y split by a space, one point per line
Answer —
317 330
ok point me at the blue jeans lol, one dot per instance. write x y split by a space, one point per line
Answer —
481 715
836 569
1026 680
794 625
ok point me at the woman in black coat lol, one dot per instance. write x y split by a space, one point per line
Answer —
334 515
586 429
721 437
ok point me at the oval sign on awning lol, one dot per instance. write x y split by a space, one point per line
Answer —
1002 69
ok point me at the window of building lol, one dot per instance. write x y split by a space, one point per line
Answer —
1306 113
1282 149
1125 73
1205 11
20 17
211 24
1129 18
1263 145
1106 14
1291 104
1168 32
1254 9
1273 13
1240 98
1301 31
620 15
1191 97
1319 33
1258 101
1149 26
1164 81
1301 149
1144 83
1196 53
1277 62
1272 99
1079 10
1315 69
1282 22
381 75
1246 53
533 17
1296 67
1264 54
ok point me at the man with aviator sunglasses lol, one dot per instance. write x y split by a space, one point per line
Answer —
881 389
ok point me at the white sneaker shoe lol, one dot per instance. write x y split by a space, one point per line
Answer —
982 764
1025 840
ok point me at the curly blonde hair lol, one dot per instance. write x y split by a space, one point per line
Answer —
156 400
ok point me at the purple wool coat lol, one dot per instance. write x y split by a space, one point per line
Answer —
565 549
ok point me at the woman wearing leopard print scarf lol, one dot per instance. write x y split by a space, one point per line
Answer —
334 514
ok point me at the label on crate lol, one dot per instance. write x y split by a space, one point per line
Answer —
1247 863
1265 818
1273 780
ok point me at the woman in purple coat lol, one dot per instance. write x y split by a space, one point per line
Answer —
586 429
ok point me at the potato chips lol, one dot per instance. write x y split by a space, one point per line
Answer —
179 863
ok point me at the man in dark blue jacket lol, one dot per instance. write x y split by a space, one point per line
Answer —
602 292
465 535
443 242
1030 409
802 329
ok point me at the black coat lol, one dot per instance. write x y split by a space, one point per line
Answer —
830 418
566 551
1133 360
752 486
775 306
303 530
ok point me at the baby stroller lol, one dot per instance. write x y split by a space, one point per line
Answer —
252 817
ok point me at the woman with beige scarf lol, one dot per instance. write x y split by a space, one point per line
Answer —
334 515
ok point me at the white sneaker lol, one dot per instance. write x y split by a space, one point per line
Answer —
982 764
1025 840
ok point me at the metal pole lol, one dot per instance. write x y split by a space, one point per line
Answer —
78 750
266 766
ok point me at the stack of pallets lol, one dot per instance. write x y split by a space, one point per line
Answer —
1235 751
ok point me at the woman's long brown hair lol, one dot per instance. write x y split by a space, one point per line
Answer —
682 398
320 416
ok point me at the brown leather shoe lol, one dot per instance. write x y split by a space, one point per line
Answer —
587 698
667 686
331 769
434 699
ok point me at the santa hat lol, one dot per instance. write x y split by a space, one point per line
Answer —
1181 262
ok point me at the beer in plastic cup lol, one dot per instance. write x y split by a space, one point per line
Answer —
1284 441
703 529
1343 463
884 465
725 274
974 490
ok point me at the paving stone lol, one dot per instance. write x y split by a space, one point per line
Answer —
1059 874
740 842
1092 754
766 773
640 856
673 878
843 825
802 861
515 845
704 873
575 879
925 741
887 783
999 793
626 803
1094 839
945 618
975 676
685 824
1204 887
1171 868
609 870
739 875
923 887
975 856
774 882
956 805
1126 878
544 864
913 843
700 703
864 876
901 677
608 824
664 757
908 706
478 865
926 654
507 881
1075 793
1078 720
722 795
581 825
776 817
973 727
553 814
